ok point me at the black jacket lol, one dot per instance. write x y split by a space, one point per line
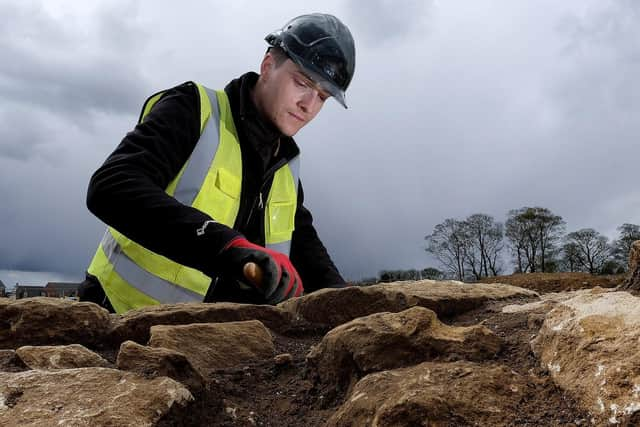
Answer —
128 190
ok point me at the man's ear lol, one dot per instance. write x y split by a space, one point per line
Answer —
268 62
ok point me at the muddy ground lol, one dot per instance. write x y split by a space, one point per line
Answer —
558 282
267 395
284 395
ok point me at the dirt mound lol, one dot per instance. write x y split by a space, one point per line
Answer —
558 282
402 354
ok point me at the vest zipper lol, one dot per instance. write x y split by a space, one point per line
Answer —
259 200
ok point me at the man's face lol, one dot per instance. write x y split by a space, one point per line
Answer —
290 98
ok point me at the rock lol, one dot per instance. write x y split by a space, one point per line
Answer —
236 415
546 302
632 282
535 320
589 344
157 362
333 307
87 397
211 346
60 357
51 321
135 325
435 394
10 362
283 359
538 310
392 340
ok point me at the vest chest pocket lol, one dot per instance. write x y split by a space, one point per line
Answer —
280 220
225 197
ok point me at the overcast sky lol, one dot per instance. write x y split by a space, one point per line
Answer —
456 107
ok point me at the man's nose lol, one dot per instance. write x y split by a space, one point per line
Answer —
309 98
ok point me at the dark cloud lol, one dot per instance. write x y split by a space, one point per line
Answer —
19 142
385 21
479 123
63 79
598 107
72 70
601 58
45 224
455 109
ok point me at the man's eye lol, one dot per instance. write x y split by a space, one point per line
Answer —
300 83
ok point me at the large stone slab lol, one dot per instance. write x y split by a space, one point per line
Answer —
60 357
589 344
159 362
392 340
333 307
87 397
548 301
435 394
135 325
212 346
51 321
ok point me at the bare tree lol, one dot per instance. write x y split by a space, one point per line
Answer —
571 257
448 244
472 259
484 237
516 233
533 233
468 248
493 248
592 249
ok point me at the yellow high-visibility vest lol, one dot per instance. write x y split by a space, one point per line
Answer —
132 276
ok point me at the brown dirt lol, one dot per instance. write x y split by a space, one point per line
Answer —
266 395
548 405
263 395
558 282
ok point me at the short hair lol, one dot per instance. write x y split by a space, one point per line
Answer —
278 54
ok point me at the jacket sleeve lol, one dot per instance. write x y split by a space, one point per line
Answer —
309 255
128 191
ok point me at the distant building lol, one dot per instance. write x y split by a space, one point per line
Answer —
3 289
27 291
62 289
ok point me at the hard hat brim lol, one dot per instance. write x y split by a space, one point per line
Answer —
324 83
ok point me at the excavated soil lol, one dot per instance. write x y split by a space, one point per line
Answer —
558 282
264 395
270 394
550 406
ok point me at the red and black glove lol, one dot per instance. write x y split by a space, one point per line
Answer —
280 280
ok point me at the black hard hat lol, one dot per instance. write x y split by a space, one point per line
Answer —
323 47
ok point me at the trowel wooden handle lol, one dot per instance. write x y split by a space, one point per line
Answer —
253 273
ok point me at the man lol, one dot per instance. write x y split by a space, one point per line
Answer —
205 188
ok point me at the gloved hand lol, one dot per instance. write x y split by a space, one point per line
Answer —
280 280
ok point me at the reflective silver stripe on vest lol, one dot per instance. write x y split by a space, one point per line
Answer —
202 156
109 245
294 165
153 286
285 247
